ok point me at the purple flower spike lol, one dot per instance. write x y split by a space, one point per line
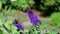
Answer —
18 25
33 18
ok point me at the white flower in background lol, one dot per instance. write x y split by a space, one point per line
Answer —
27 24
13 0
26 30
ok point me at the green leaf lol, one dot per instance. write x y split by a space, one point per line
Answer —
0 5
49 2
33 27
3 1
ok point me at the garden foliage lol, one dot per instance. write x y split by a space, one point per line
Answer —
16 4
48 6
55 19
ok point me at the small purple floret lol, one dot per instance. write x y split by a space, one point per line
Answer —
18 25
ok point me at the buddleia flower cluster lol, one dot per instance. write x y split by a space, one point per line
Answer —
33 18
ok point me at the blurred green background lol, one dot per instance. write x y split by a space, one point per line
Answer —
48 12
